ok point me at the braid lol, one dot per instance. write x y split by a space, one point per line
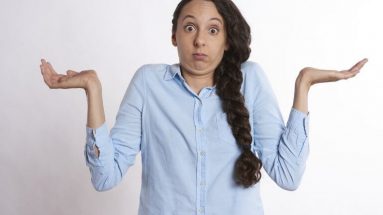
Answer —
228 77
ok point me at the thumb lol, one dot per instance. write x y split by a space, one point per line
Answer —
71 73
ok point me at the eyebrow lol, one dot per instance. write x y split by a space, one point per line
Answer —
214 18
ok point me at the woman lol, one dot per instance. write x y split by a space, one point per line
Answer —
206 126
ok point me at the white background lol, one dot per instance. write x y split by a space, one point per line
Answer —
42 131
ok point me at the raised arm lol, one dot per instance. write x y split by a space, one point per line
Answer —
282 148
108 154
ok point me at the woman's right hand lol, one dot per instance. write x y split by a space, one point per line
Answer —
84 79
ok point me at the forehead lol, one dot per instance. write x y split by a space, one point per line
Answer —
201 10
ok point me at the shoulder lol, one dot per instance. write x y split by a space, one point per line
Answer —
250 66
255 83
253 72
152 68
150 71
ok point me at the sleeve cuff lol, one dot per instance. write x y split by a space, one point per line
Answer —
100 137
93 134
299 121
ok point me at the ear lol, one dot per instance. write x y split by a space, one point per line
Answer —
174 40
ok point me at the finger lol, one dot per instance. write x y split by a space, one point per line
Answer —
348 74
359 65
45 68
354 70
42 69
42 66
46 80
71 73
89 70
51 68
46 75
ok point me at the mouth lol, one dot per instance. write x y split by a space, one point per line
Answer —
199 56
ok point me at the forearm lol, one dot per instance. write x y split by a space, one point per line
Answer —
96 115
302 87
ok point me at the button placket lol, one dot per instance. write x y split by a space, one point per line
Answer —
201 156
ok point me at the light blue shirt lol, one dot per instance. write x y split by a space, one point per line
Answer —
187 147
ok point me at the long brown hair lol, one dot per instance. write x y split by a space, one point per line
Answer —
228 79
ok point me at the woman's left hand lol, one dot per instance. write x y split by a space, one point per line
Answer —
312 76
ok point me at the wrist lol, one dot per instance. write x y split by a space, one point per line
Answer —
93 84
302 82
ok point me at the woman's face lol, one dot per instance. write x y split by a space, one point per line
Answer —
200 38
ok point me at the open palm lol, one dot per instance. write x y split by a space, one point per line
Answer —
71 80
314 76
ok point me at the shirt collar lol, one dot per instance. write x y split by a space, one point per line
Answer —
175 70
172 71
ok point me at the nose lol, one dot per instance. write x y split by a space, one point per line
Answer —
199 40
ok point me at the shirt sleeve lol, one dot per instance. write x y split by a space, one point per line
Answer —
283 149
118 149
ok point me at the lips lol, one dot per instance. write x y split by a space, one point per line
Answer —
199 56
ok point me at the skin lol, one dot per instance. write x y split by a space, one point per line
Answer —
197 71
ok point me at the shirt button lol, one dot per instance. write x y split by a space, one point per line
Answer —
200 209
202 153
202 183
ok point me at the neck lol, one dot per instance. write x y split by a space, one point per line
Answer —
198 82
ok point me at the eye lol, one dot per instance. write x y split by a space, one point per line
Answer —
213 30
189 28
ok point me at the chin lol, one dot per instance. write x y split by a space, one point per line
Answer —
196 69
199 67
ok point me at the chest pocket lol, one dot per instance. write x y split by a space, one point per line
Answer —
225 135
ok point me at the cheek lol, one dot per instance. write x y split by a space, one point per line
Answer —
183 47
219 50
182 53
